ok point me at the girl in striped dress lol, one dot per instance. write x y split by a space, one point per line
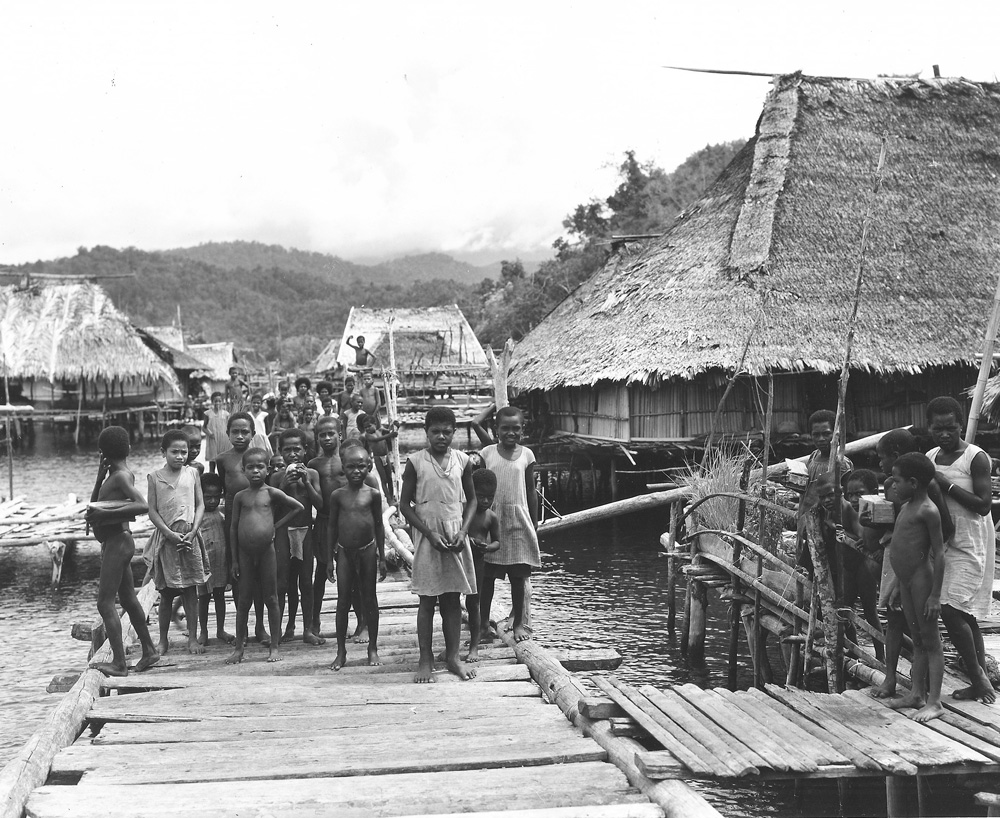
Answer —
516 505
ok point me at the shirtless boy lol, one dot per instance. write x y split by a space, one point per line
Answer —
252 535
358 538
362 357
294 545
917 555
484 534
117 483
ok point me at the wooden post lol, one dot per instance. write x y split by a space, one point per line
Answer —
499 369
676 509
795 653
612 478
897 796
827 598
79 411
984 368
759 636
736 606
699 616
10 443
391 407
810 630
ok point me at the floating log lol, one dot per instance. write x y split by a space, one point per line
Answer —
616 509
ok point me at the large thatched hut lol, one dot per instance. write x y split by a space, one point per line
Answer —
67 346
765 261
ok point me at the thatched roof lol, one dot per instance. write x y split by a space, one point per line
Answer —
784 218
428 338
176 357
217 358
72 331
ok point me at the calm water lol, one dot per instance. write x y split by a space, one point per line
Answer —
600 584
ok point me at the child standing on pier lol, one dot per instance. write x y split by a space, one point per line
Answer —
357 537
516 504
438 500
116 485
213 534
177 555
252 535
484 535
216 421
917 556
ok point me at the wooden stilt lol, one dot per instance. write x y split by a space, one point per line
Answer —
827 600
79 412
795 648
613 479
699 617
923 795
810 630
897 791
676 509
758 636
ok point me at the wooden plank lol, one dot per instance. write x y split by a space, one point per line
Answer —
787 732
388 795
666 732
805 705
589 811
819 734
742 729
599 707
320 756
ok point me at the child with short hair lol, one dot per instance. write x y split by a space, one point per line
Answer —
516 504
216 421
195 434
377 443
362 357
252 535
275 463
213 534
344 398
861 570
484 535
371 398
349 420
235 387
303 396
917 556
259 416
357 536
178 557
438 500
114 502
283 420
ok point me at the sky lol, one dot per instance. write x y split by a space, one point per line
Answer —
371 130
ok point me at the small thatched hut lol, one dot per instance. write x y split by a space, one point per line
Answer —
769 254
57 338
217 358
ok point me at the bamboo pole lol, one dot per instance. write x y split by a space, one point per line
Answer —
391 408
828 604
79 411
10 443
992 326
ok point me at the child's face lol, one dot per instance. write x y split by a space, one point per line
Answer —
902 488
886 459
946 431
855 489
369 380
822 436
292 450
213 496
370 427
484 499
255 468
308 414
255 403
303 390
328 436
283 387
323 394
276 463
439 437
509 431
284 409
176 453
356 401
217 403
328 407
356 466
232 374
349 385
240 434
194 448
361 340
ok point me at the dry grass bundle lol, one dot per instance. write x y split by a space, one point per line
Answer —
720 472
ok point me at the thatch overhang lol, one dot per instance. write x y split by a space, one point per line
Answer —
177 358
217 358
784 220
72 332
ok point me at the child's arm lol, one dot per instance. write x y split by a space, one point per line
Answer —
333 537
406 494
477 425
947 524
122 482
932 608
379 526
494 528
458 543
980 499
280 496
234 545
378 437
850 520
312 488
348 342
199 506
531 494
171 537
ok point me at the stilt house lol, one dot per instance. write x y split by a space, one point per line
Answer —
758 275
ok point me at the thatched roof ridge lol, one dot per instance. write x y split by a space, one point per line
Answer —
72 331
784 218
424 337
217 358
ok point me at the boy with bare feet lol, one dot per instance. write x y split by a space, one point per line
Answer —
115 501
213 534
357 536
252 536
484 534
294 545
917 556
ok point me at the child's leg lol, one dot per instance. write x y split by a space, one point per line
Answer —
486 605
305 581
451 624
189 596
917 697
319 591
203 600
137 616
292 593
167 596
358 604
472 606
260 634
282 558
247 583
960 630
517 597
268 577
368 572
113 565
345 591
868 593
425 639
219 595
930 641
893 642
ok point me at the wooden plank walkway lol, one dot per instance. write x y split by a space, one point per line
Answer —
298 737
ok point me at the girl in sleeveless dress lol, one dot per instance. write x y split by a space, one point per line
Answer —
175 551
438 500
963 474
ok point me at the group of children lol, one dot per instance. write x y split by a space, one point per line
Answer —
297 521
939 550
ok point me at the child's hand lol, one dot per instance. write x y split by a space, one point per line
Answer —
932 608
331 571
866 518
236 570
438 542
479 545
383 569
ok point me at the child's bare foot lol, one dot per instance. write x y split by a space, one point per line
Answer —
340 661
236 657
459 668
311 638
111 669
361 636
373 659
473 654
520 634
203 639
486 637
886 690
315 627
273 656
262 636
928 711
225 638
162 647
194 647
146 662
425 673
983 693
289 633
909 700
